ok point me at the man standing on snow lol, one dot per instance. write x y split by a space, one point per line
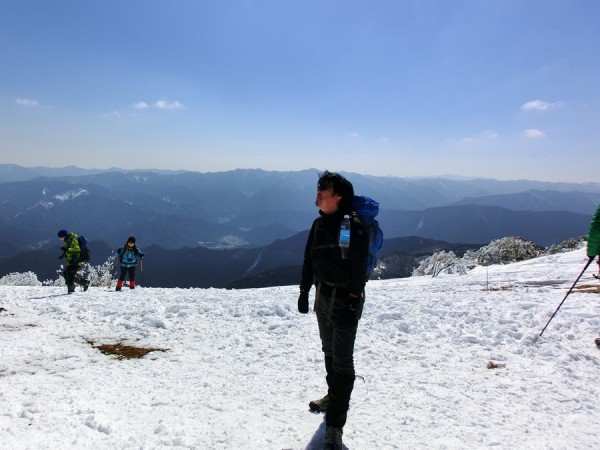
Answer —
70 252
593 246
338 276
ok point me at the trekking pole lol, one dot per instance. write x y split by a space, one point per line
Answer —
142 270
565 297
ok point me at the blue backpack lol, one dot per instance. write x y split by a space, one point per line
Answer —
84 251
366 209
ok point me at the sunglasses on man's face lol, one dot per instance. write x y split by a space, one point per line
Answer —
322 186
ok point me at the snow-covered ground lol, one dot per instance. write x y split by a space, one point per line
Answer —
241 366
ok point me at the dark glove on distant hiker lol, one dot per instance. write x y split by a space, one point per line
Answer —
303 302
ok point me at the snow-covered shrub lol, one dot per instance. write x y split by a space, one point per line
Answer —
566 246
469 260
59 281
441 261
98 275
501 251
20 279
102 275
507 250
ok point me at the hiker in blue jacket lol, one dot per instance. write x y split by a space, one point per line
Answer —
129 257
339 280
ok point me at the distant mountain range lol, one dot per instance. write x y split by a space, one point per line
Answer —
537 200
257 219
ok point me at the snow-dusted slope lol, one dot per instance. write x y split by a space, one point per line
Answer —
241 366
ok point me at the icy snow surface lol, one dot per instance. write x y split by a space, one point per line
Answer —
242 365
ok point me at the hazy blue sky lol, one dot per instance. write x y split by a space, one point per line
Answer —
496 88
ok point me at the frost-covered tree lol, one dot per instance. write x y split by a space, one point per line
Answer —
501 251
507 250
102 275
469 260
20 279
439 262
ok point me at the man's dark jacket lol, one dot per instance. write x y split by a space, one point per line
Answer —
323 260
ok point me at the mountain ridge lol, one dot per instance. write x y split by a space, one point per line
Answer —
250 212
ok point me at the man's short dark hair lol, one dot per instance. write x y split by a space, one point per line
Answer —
340 185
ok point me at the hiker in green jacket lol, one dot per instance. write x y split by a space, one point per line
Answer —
70 253
593 244
593 247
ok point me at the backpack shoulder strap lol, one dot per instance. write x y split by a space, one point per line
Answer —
357 219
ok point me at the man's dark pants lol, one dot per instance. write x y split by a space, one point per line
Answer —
69 274
337 329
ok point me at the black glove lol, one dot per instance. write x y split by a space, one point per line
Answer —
303 302
354 303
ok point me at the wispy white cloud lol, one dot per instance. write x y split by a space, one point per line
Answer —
489 134
161 104
541 105
27 102
485 135
533 133
141 105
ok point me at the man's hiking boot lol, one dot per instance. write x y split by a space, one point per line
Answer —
86 285
333 438
319 405
597 342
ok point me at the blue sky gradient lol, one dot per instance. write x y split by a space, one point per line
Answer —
498 88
